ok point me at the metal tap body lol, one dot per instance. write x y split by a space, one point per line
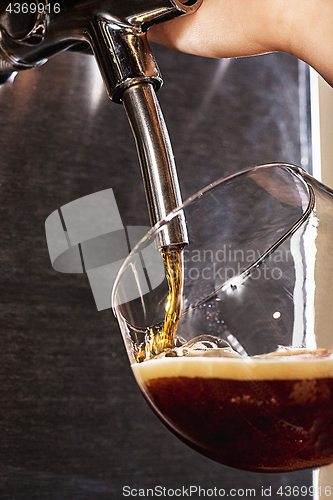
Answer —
116 31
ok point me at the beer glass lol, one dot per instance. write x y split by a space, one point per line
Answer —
230 337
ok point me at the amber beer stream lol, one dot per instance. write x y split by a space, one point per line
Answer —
163 336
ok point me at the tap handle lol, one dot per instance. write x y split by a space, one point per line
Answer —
122 49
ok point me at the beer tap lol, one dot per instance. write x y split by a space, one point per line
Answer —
116 32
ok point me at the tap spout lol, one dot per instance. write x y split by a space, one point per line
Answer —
131 76
156 159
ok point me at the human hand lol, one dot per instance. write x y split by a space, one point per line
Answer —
235 28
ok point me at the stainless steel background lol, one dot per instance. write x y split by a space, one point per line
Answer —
73 424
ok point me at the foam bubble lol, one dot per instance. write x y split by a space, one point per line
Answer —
292 365
204 345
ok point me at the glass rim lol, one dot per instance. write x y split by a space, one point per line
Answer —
191 199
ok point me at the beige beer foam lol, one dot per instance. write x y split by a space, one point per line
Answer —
297 367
